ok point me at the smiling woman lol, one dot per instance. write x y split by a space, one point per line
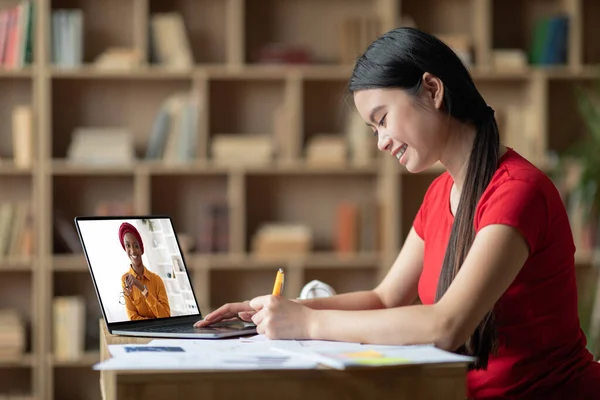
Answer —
145 294
490 252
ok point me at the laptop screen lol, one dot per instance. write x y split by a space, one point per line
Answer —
137 268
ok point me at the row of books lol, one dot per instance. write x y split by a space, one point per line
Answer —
16 35
67 37
549 43
175 130
66 239
356 229
68 328
12 335
16 230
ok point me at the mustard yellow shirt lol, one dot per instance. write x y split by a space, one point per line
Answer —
154 305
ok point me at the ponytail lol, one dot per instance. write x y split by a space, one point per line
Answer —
483 162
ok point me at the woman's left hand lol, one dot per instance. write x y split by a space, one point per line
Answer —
132 281
279 318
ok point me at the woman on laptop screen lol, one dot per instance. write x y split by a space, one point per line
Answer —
145 294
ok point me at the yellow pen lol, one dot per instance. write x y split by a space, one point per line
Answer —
278 287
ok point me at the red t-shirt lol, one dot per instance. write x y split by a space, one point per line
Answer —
542 350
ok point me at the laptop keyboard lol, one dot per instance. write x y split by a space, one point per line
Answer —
170 329
189 328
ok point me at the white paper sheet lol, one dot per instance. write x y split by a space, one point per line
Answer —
342 355
161 354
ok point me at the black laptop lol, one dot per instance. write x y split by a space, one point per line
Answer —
160 302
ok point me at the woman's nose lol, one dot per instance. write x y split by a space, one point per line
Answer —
384 142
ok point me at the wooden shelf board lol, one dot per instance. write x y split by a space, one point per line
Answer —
207 167
586 258
25 72
66 167
69 262
252 261
7 167
301 167
91 72
17 264
281 71
88 359
26 360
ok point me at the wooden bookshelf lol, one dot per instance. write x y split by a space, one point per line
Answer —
240 95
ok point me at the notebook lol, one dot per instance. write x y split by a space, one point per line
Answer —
142 281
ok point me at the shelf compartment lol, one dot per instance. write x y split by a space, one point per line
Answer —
205 26
285 23
244 106
310 200
326 106
79 283
515 111
74 382
131 104
16 383
522 17
87 195
27 360
17 290
591 50
106 24
344 280
16 92
450 16
17 217
186 200
565 123
232 285
412 188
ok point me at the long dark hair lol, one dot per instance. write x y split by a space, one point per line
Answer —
398 59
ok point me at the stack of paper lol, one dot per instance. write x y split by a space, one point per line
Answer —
341 355
165 354
260 353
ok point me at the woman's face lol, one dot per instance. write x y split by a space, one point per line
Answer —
410 130
132 247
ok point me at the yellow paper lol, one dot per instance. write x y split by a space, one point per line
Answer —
382 361
364 354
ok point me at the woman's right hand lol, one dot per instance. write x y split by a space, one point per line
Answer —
228 312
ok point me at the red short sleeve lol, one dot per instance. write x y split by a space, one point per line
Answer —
517 203
418 222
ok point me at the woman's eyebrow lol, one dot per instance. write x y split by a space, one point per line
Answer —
373 111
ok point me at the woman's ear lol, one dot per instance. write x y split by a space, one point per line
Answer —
433 88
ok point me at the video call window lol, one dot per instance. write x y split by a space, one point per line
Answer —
137 268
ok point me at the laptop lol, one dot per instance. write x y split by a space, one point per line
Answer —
161 301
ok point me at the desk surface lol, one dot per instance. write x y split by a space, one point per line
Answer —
398 382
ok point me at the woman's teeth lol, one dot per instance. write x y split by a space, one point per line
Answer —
401 152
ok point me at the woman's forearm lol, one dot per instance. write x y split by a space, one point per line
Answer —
417 324
360 300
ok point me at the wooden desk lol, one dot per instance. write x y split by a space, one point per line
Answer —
414 382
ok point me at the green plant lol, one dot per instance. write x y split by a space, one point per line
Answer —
584 189
149 224
586 151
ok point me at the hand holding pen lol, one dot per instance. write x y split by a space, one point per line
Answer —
242 310
279 318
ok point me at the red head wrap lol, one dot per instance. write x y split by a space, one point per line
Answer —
126 227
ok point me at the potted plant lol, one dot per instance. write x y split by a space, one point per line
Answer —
579 171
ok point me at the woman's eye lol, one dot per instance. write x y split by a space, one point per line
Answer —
382 121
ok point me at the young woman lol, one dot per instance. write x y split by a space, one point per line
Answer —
145 294
490 253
